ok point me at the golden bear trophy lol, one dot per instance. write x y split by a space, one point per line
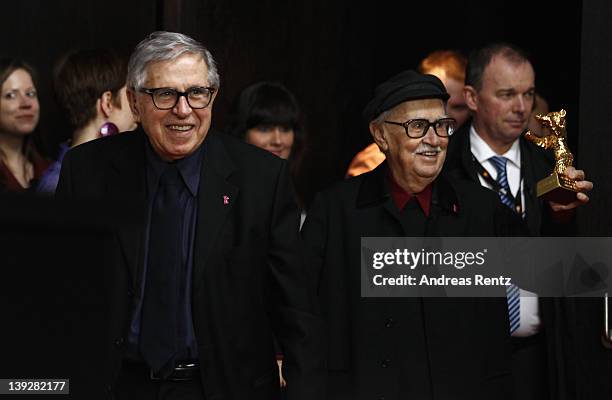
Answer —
556 187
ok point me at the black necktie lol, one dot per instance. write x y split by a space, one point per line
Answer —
158 339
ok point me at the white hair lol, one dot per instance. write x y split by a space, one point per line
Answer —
164 46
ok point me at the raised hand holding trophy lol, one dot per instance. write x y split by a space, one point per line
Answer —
556 187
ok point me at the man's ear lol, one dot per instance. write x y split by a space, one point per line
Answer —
131 96
106 103
379 136
471 97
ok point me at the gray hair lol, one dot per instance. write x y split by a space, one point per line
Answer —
164 46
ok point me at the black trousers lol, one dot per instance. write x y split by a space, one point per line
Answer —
134 383
530 368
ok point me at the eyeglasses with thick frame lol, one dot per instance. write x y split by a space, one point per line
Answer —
418 127
197 97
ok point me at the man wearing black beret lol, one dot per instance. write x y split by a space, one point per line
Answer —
407 348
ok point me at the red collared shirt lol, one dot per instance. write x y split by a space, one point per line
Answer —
401 197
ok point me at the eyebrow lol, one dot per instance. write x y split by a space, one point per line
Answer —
443 116
513 90
18 89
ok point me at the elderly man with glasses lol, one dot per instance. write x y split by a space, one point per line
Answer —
211 272
410 347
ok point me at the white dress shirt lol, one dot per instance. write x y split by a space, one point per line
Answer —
530 322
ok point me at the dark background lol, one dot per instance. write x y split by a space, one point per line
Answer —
331 54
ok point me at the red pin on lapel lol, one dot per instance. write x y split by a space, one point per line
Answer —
225 199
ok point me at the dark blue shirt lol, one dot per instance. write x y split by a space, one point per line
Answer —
189 169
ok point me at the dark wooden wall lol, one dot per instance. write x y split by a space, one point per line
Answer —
595 144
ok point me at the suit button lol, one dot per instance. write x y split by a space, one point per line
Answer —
119 341
389 323
130 293
385 363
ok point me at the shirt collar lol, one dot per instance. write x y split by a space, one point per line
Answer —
482 152
402 197
189 167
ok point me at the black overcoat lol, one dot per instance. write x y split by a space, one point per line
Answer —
407 348
248 275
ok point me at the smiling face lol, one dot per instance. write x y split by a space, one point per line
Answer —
19 108
178 132
504 102
414 163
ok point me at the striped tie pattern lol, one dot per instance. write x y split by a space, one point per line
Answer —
512 291
514 307
504 194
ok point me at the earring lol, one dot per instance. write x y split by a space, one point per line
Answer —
108 129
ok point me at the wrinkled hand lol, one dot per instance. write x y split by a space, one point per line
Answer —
583 185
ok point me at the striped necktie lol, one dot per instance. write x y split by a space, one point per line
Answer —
512 291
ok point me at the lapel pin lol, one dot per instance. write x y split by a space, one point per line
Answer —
455 209
225 199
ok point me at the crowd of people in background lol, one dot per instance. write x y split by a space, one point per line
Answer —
447 135
89 88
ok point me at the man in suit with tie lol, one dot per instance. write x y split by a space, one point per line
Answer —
491 151
211 272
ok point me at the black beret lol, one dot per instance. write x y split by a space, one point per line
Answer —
405 86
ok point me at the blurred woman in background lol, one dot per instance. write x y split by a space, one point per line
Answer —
20 163
89 86
267 115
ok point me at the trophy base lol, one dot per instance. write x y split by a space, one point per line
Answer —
557 188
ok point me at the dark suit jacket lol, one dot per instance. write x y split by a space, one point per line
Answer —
406 348
248 273
536 163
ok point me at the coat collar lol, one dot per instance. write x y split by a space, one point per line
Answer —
460 165
375 190
461 153
216 197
